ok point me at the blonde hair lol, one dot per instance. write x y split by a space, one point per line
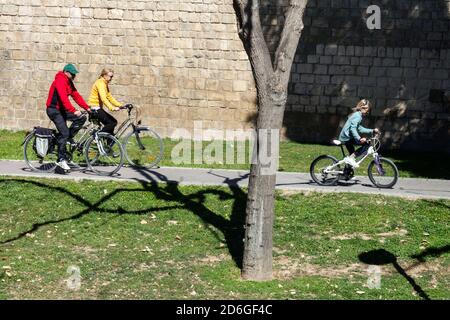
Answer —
105 72
364 104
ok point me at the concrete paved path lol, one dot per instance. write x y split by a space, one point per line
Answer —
292 182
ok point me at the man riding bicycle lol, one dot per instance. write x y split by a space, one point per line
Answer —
60 109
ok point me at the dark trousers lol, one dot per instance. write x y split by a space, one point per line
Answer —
59 119
350 145
108 121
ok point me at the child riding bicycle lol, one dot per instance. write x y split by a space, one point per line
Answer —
350 132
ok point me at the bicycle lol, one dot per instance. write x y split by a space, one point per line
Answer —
102 152
326 170
142 146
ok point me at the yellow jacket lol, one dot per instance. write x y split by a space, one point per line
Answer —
100 95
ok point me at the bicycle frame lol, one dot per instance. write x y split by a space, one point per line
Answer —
123 128
81 141
370 151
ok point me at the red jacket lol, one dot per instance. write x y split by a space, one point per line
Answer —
60 90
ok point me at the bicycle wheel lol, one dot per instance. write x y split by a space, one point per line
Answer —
383 175
36 162
318 174
104 155
143 147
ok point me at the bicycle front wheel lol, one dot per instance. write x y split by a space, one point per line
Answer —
324 170
143 147
383 173
34 161
104 155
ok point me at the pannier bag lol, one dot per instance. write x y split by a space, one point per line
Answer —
43 140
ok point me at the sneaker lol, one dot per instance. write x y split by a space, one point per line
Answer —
63 164
351 162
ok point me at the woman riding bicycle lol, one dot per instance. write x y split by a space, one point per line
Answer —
350 132
101 96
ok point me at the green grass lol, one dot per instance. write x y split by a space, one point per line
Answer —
150 241
294 157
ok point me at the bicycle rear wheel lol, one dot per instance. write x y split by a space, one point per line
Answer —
318 173
104 155
143 147
36 162
384 174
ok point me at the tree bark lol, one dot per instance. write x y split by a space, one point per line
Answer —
272 86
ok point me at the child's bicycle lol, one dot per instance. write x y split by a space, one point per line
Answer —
101 152
326 170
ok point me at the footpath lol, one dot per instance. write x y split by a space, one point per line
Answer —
287 181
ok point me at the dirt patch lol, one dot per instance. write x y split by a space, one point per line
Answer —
287 268
89 252
212 259
434 267
364 236
345 236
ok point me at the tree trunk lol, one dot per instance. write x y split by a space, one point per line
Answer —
271 83
257 260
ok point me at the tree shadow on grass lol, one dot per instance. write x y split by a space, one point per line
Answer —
232 229
382 257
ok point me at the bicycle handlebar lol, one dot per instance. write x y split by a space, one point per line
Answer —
128 106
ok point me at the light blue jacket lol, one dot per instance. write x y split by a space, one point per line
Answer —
353 127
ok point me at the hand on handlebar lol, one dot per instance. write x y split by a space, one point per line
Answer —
126 106
376 131
362 140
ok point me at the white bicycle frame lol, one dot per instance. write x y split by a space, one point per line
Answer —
331 169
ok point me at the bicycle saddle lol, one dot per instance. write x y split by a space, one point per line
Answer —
337 142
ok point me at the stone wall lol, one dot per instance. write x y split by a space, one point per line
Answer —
339 61
180 60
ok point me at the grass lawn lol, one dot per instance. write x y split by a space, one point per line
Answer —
294 157
147 241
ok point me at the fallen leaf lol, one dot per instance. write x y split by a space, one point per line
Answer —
360 292
178 237
172 222
143 222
